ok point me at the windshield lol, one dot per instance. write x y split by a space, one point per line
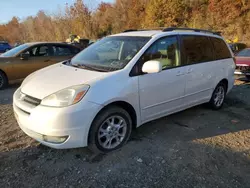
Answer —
14 51
244 53
110 54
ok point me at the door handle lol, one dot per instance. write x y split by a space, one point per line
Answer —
179 73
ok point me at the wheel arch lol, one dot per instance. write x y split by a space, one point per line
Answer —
225 82
124 105
2 71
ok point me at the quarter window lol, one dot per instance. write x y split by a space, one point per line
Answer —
220 48
197 49
164 50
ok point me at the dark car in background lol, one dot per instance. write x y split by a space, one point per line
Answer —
236 47
4 46
22 60
243 63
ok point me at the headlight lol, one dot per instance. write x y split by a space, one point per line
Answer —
66 97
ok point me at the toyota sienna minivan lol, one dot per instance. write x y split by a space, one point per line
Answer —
121 82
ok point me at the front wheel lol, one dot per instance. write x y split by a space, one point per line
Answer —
110 130
218 97
3 80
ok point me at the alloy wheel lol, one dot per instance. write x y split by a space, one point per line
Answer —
112 132
219 96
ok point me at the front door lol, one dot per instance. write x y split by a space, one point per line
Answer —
162 93
39 57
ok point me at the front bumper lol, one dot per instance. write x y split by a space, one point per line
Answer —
72 122
241 73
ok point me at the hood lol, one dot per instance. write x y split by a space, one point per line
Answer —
243 61
54 78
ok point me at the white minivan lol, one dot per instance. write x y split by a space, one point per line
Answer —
121 82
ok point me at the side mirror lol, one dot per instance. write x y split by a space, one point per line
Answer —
24 56
152 67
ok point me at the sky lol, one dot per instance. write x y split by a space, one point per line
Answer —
24 8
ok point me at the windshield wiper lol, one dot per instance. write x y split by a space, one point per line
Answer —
84 66
68 62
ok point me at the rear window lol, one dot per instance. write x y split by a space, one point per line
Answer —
197 49
244 53
220 49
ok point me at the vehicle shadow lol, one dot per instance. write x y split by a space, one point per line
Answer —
158 163
194 148
242 78
7 94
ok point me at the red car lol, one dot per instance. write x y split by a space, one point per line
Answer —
243 63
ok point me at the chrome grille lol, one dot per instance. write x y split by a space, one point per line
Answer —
31 100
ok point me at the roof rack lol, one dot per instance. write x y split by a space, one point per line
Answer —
175 29
190 29
129 30
146 29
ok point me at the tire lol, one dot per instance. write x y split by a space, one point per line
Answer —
218 97
248 77
3 80
104 136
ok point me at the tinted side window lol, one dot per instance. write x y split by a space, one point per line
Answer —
197 49
164 50
220 48
61 50
43 51
38 51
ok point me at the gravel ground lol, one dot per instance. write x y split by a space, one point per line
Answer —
195 148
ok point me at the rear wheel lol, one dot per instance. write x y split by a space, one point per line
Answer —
218 96
248 77
110 130
3 80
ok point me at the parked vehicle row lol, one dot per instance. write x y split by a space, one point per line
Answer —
121 82
21 61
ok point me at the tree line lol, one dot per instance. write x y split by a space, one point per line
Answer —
231 17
